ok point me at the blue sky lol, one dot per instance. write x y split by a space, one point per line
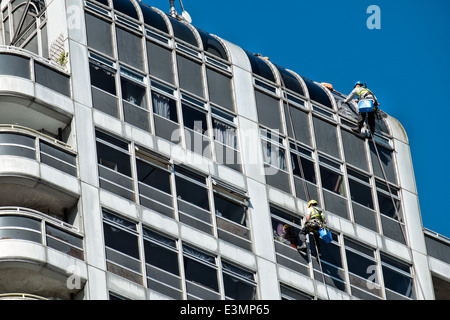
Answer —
406 63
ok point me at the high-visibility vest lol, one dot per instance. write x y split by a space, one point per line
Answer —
361 91
316 214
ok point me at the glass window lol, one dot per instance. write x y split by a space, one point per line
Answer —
164 106
99 34
332 180
121 242
129 47
363 271
387 161
360 190
183 32
212 45
103 78
386 203
300 122
239 284
354 150
306 170
126 7
219 87
133 93
200 268
192 188
52 79
14 66
194 119
290 81
326 138
260 67
230 210
268 110
318 94
160 251
153 176
190 75
224 133
274 152
397 278
160 62
153 18
112 157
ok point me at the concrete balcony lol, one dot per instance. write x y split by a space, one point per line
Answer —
39 255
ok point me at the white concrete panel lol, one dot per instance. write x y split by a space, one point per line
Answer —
93 227
81 89
60 179
96 285
237 255
414 227
251 150
85 144
405 167
126 288
261 224
119 204
198 238
159 221
423 281
268 280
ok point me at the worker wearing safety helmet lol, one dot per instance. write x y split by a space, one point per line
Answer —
361 91
315 220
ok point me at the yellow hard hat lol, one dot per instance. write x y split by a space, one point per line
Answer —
286 226
312 202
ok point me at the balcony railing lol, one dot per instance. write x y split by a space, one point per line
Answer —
28 143
30 225
20 63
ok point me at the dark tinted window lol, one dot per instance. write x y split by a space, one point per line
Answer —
126 7
99 35
153 18
317 94
212 45
290 81
260 68
14 66
183 32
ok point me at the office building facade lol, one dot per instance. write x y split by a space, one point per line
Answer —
143 158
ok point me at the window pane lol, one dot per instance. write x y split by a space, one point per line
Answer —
164 106
130 48
121 240
219 87
318 94
183 32
386 158
326 137
361 193
332 181
194 119
113 159
103 78
126 7
260 68
153 176
268 110
230 210
212 45
153 18
192 192
133 93
354 150
52 79
190 75
200 272
290 81
300 122
161 257
160 62
99 35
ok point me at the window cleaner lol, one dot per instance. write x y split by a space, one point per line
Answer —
367 106
315 223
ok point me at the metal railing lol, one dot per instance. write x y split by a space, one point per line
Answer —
30 225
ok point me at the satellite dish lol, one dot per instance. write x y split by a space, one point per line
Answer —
186 16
